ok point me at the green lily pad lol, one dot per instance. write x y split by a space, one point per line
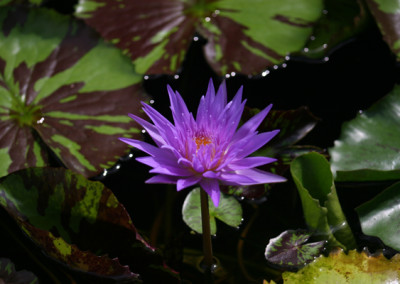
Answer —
380 217
344 268
63 89
368 147
387 17
9 275
341 20
79 223
290 249
322 211
242 37
228 211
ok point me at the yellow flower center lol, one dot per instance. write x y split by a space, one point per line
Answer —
201 140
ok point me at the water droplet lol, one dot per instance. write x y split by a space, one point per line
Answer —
287 57
207 19
130 155
176 76
195 38
312 37
324 45
145 77
233 74
326 58
118 166
284 65
40 121
275 67
265 73
151 102
306 49
227 75
360 111
104 172
324 12
143 131
216 12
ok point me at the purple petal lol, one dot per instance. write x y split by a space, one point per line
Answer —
171 171
252 124
250 162
255 176
162 179
254 143
210 174
184 183
211 186
150 128
142 146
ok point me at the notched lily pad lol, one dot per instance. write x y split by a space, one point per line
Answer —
353 267
242 37
290 250
63 89
8 274
78 222
368 146
229 211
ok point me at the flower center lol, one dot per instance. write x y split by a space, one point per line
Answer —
201 140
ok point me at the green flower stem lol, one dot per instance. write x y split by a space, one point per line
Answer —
205 220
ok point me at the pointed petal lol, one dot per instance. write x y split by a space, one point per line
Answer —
142 146
255 176
150 128
162 179
254 143
252 124
250 162
211 186
184 183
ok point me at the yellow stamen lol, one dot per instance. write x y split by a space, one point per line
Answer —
201 140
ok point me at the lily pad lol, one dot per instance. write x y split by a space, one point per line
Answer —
229 211
387 17
291 251
8 274
380 217
63 89
368 147
341 21
344 268
242 37
79 223
322 211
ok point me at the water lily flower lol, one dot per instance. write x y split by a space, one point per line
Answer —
208 150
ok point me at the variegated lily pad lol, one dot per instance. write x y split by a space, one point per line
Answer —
243 36
387 16
344 268
61 88
79 223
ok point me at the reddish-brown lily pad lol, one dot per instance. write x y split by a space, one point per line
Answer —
62 89
242 36
80 223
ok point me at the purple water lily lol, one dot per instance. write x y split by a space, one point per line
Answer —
207 150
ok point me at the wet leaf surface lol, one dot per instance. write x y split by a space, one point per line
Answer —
63 89
368 147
